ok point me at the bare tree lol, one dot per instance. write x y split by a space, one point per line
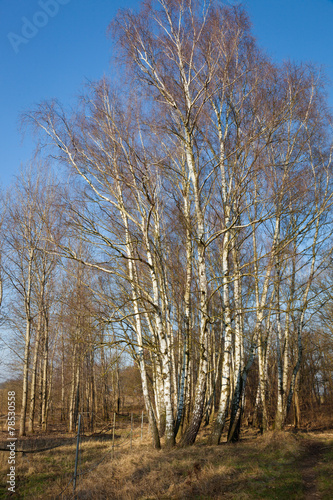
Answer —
204 193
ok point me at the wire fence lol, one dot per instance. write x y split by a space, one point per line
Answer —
121 433
129 428
135 432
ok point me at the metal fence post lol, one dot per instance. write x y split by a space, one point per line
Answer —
77 453
131 428
114 426
141 425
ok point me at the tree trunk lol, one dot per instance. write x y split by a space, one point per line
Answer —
45 372
22 431
226 364
73 391
34 376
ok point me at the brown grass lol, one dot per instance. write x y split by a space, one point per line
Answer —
228 471
258 467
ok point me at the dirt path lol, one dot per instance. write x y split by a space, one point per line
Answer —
308 463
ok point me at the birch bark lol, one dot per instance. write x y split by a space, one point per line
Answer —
28 314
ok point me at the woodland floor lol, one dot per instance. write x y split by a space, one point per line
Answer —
313 451
278 465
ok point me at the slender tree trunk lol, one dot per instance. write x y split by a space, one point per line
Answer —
297 421
63 409
25 378
22 431
45 372
301 319
239 396
91 391
164 350
262 385
34 376
73 388
200 390
187 316
105 391
226 366
132 272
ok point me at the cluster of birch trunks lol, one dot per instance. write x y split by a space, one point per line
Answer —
201 182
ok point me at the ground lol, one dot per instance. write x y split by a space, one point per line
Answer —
278 465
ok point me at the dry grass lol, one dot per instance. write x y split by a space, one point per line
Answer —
44 475
258 467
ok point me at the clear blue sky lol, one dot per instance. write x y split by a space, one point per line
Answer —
70 46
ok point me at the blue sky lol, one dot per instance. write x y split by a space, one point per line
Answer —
70 45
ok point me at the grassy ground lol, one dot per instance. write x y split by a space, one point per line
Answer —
324 470
274 466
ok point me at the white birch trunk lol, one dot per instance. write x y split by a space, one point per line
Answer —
200 391
165 354
34 377
187 316
45 372
142 364
226 364
27 301
233 433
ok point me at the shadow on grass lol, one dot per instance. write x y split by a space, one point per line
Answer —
264 468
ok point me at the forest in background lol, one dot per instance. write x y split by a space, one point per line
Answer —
180 216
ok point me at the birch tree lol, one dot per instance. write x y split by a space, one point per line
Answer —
25 234
203 190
